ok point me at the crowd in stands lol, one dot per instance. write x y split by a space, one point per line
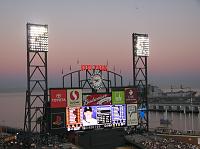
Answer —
152 141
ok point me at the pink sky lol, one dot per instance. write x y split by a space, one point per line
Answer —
95 32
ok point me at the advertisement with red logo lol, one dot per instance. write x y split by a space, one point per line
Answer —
57 120
58 98
97 99
74 97
131 95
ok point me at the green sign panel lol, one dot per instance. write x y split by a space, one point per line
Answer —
118 97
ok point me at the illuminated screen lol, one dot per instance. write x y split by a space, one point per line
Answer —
118 115
37 37
96 117
141 44
104 115
74 118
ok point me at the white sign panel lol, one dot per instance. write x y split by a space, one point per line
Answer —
74 97
132 116
141 45
37 37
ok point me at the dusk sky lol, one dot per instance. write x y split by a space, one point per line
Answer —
94 31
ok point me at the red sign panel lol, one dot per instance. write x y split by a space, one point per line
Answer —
94 67
131 95
97 99
58 98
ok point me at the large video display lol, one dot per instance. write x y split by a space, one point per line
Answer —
95 111
118 115
74 118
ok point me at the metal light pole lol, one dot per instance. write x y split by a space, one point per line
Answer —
185 118
191 107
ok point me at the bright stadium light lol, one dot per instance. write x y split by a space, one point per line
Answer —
141 44
37 36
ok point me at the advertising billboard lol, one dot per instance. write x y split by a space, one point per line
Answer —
118 115
118 97
58 98
131 95
74 118
97 99
141 44
74 97
132 116
57 120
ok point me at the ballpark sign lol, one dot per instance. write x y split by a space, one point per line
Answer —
74 97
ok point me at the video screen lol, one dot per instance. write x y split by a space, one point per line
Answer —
74 118
104 116
118 115
96 117
89 120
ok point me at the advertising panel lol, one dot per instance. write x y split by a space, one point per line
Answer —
57 120
97 99
118 97
58 98
131 95
74 118
118 115
132 116
74 97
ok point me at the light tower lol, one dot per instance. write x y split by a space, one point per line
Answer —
140 54
37 87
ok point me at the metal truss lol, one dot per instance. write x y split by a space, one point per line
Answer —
37 90
140 81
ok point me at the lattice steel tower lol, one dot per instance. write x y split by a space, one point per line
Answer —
140 54
37 85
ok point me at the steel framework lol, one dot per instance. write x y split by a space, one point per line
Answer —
140 81
37 86
110 80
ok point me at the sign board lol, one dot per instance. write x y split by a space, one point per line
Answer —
97 99
58 98
57 120
74 97
132 116
118 97
131 95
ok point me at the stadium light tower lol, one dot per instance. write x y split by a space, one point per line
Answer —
140 55
37 87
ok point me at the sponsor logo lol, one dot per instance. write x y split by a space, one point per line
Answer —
58 120
74 95
58 98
